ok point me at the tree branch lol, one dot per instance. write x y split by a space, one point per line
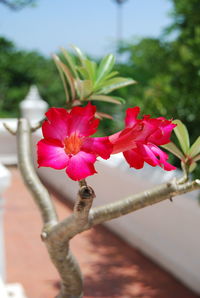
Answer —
57 242
68 228
54 235
36 126
138 201
67 266
10 129
40 193
83 204
78 221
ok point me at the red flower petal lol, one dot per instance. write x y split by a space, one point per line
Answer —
50 154
150 154
125 140
134 159
82 121
162 157
131 116
139 139
81 166
98 146
56 127
163 133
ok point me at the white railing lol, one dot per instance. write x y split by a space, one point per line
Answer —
5 178
6 290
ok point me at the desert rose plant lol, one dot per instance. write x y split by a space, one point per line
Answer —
68 144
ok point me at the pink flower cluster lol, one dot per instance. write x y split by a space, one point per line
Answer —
140 139
67 143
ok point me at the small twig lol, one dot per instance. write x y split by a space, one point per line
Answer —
68 227
185 176
37 125
83 204
10 129
82 182
138 201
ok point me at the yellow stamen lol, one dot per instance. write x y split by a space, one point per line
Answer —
72 144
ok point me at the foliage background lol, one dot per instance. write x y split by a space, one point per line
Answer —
167 71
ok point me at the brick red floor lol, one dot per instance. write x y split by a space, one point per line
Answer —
111 268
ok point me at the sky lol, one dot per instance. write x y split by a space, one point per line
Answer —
89 24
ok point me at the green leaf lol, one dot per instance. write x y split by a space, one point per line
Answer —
90 67
87 88
83 72
182 135
80 55
78 86
171 147
111 75
115 83
196 158
68 75
56 59
70 61
105 67
192 167
84 88
195 148
101 97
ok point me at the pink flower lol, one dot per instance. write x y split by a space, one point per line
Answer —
67 144
140 139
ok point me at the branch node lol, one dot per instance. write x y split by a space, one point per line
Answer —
44 236
82 183
86 192
37 125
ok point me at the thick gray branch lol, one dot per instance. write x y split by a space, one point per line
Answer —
29 175
78 221
68 228
57 242
138 201
67 266
83 204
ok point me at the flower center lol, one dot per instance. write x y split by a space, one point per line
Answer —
72 144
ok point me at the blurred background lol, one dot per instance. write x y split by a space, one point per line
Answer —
157 43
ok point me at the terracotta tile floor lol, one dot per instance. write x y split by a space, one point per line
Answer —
111 267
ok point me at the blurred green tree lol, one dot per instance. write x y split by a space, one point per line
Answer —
19 69
168 69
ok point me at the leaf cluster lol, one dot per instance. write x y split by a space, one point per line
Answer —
86 80
188 154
